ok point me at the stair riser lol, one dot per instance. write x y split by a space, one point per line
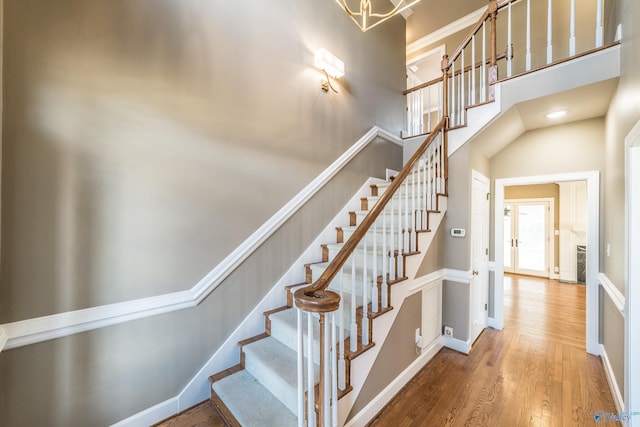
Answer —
358 257
389 222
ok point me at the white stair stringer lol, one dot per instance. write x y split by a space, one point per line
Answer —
362 365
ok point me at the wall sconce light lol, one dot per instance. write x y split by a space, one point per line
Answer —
330 65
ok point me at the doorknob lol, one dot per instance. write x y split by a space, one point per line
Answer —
475 272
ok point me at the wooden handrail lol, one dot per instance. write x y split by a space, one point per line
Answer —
316 298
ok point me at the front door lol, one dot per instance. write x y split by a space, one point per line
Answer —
526 245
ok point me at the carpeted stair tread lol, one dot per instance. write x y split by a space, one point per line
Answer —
251 403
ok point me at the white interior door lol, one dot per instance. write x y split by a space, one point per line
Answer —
479 292
527 241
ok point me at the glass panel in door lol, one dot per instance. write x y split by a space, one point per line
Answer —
532 238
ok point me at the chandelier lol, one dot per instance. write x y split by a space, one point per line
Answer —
365 18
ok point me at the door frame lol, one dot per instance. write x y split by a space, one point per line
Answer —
593 239
550 230
483 287
632 273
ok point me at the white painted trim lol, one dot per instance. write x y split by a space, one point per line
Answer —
611 379
614 294
3 338
426 282
458 276
44 328
593 242
152 415
491 265
377 403
632 274
446 31
456 344
492 323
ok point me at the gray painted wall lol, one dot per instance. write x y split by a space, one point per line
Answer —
397 353
455 308
145 141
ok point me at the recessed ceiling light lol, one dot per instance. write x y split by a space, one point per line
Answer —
556 114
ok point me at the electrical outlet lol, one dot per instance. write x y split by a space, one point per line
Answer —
418 338
448 331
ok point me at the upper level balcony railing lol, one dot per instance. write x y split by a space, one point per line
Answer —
512 37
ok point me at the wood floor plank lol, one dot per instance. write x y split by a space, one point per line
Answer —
535 372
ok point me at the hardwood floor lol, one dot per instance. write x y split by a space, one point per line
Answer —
535 372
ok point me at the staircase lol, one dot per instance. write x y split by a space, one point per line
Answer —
263 389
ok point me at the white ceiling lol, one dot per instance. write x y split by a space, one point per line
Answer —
583 103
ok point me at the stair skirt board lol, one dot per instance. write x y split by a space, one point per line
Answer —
270 361
199 388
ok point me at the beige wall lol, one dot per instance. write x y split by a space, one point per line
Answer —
540 191
145 141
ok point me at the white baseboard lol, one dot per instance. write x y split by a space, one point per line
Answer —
493 323
152 415
456 344
371 410
611 378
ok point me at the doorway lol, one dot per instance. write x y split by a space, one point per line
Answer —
527 236
592 256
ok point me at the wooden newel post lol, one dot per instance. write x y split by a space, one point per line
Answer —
444 65
493 61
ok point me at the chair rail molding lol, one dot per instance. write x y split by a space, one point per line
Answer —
31 331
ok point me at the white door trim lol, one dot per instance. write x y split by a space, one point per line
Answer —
632 275
593 239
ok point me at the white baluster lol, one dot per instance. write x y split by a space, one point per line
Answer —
418 213
509 42
300 348
326 395
374 287
311 413
353 330
406 246
365 303
549 32
462 92
392 268
385 260
599 28
399 248
528 54
429 109
483 68
572 29
334 369
341 362
425 203
452 107
473 71
413 209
